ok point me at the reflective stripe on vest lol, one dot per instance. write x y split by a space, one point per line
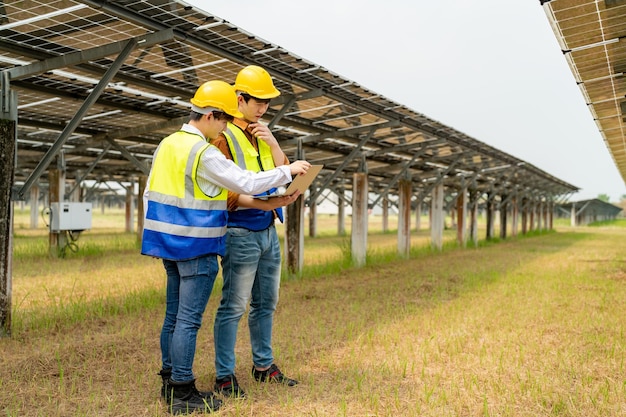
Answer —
248 158
181 221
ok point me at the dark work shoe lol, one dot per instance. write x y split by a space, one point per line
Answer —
229 387
185 399
273 374
166 389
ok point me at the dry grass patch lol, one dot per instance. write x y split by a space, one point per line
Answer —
524 327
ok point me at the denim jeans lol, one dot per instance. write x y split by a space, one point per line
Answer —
251 271
189 285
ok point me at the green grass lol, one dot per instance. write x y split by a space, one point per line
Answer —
609 223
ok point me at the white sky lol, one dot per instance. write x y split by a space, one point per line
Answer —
491 69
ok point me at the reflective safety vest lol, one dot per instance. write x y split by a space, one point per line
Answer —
182 222
250 159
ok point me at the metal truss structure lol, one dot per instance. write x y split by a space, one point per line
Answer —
100 83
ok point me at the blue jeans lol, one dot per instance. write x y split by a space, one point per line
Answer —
251 271
189 285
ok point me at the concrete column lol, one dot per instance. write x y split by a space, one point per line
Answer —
418 215
551 215
34 206
341 213
55 195
490 216
312 218
473 229
461 210
129 208
514 217
504 210
8 141
294 236
524 216
359 219
404 218
437 217
385 207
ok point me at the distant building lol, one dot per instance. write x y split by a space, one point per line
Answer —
587 211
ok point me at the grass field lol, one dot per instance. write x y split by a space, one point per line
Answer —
531 326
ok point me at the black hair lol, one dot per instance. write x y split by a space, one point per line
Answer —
247 97
194 116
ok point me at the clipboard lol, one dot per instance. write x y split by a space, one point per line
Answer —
300 182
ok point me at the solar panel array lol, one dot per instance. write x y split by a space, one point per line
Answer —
592 34
100 83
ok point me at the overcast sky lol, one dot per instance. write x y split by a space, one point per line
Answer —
491 69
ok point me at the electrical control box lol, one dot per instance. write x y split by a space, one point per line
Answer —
70 216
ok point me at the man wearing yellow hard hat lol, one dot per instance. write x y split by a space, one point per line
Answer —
185 225
252 264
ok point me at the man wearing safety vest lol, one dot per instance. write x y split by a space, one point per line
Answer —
185 226
252 264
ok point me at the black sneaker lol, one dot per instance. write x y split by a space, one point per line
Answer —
229 387
167 390
186 399
273 374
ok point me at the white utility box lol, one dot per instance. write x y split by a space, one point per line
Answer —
70 216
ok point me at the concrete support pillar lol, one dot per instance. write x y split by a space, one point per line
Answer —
453 221
312 218
437 217
359 219
514 217
130 208
551 215
524 216
341 213
75 195
418 215
504 210
490 216
56 178
294 236
404 218
573 215
473 228
8 141
385 209
461 211
34 207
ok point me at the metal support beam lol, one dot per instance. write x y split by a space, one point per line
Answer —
73 124
92 54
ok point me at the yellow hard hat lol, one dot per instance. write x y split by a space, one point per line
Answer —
216 95
255 81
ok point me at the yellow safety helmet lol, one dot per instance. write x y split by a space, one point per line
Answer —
255 81
216 95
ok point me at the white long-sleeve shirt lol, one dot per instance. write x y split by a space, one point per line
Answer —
215 171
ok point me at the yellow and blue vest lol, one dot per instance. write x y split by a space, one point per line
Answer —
248 158
182 222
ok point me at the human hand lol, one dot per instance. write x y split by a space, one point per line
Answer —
299 167
263 132
275 202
